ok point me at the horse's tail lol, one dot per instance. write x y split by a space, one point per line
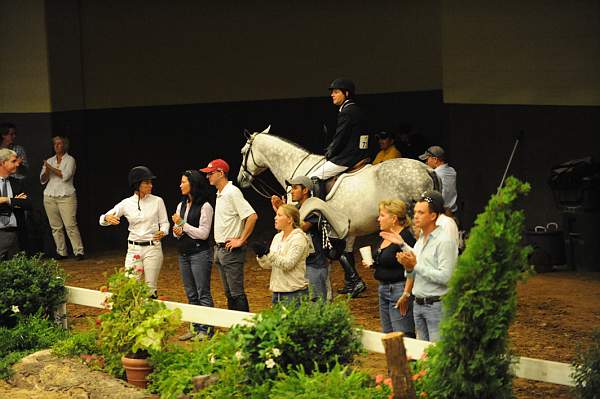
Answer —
437 184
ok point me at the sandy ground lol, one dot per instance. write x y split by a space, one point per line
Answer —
556 311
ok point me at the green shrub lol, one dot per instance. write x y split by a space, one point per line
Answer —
312 335
472 359
78 343
30 334
587 370
31 283
339 382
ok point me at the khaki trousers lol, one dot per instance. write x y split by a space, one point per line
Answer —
62 212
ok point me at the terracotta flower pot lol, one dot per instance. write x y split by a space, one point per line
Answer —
137 370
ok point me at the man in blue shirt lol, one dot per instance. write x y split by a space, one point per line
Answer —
435 158
432 261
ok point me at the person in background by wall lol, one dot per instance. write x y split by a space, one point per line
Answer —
148 224
13 201
8 133
387 148
193 220
234 223
317 264
286 257
60 198
435 158
411 143
395 303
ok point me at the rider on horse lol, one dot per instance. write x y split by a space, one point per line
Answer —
349 145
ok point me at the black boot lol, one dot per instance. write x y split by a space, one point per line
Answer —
354 284
318 188
240 302
230 304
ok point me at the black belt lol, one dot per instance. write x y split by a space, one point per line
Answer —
141 243
221 244
9 229
430 300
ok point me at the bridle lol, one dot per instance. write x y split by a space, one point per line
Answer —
262 187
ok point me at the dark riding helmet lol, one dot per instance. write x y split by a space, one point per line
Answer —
138 174
344 85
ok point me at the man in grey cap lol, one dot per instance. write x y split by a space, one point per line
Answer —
317 264
435 158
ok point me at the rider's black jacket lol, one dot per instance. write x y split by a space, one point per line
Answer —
346 148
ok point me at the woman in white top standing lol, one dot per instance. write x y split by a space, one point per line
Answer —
286 257
60 198
148 224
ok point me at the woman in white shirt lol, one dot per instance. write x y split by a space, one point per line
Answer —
60 198
148 224
286 257
193 220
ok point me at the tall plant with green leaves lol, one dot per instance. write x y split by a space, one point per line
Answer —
472 360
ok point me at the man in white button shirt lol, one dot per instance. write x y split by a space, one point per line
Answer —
435 158
234 222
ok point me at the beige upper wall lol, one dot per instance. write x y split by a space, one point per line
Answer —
141 52
522 52
24 58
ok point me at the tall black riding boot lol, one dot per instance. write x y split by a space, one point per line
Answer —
318 188
354 284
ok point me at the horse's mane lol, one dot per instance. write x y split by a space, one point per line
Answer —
286 141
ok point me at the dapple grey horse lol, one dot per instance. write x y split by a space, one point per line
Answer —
356 194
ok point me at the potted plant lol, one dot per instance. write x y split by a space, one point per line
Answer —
135 326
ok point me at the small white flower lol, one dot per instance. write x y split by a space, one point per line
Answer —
15 309
239 355
270 363
212 359
276 352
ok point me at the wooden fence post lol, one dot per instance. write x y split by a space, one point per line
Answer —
397 364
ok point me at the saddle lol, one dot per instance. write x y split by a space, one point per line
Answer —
330 185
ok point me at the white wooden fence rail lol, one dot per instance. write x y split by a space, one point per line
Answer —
532 369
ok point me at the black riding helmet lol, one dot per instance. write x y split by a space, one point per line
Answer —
138 174
343 84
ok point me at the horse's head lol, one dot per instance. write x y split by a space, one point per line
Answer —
252 164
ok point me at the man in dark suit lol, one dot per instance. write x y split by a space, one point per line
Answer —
13 201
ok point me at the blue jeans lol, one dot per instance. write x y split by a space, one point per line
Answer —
289 297
195 272
391 319
317 280
427 321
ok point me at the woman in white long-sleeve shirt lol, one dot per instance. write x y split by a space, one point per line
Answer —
148 224
60 198
193 220
286 257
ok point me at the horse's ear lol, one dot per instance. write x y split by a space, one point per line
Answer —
247 134
267 129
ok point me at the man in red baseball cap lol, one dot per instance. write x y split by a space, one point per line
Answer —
234 222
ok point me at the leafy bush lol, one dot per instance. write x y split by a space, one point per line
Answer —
587 370
312 335
339 382
30 334
248 359
472 360
84 342
135 323
31 283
